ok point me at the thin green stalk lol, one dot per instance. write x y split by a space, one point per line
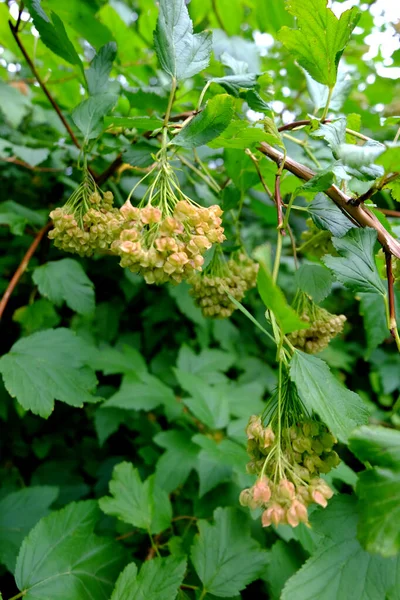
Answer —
191 166
203 93
153 545
307 150
396 137
391 325
328 101
20 595
170 101
203 594
206 171
278 254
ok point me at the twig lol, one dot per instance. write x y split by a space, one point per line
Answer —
21 163
14 31
278 202
110 170
392 308
293 242
389 213
22 267
358 214
295 124
375 188
260 175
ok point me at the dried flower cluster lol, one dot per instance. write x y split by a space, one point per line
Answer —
165 245
86 232
288 470
235 276
323 325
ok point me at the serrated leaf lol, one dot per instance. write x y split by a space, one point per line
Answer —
333 133
141 391
210 404
241 135
158 579
314 280
52 33
356 267
65 281
275 301
62 557
47 366
319 183
19 512
99 71
179 458
36 316
372 310
208 124
378 489
319 92
320 39
181 53
359 156
141 504
88 115
225 556
320 391
209 363
284 560
327 216
125 361
329 573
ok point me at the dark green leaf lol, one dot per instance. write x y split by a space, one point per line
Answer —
314 280
327 216
321 392
181 53
179 458
98 73
158 579
372 310
208 124
88 115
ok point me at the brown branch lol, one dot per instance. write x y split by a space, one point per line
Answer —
390 280
359 214
278 202
21 163
295 124
375 188
388 212
22 267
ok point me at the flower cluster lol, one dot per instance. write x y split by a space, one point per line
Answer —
165 244
236 276
91 227
288 470
323 325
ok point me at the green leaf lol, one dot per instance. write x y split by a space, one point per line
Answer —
210 404
225 556
378 489
327 216
356 267
319 92
158 579
62 557
181 53
329 573
390 159
141 391
284 560
320 391
141 504
275 301
141 123
88 115
179 458
241 135
360 156
100 68
19 512
14 105
125 361
314 280
372 310
65 281
47 366
36 316
333 133
208 124
209 363
320 39
52 33
319 183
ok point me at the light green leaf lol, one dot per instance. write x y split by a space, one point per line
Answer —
141 391
240 135
88 115
141 504
99 71
19 512
327 216
356 156
333 133
378 490
65 281
179 458
158 579
356 267
314 280
36 316
52 33
181 53
47 366
225 556
141 123
275 301
390 159
320 39
320 391
210 404
62 558
319 92
208 124
329 573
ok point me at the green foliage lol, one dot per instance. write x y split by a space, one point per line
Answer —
206 445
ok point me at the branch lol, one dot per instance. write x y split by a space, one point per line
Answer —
392 309
361 215
15 161
22 267
376 188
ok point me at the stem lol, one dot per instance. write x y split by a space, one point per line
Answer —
214 186
396 137
203 93
153 544
277 257
328 101
260 175
186 586
170 101
20 595
390 301
22 267
206 171
203 594
14 31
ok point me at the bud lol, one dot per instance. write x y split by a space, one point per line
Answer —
261 491
274 514
245 497
286 489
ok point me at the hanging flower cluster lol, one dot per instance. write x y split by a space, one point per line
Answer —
323 325
288 470
87 223
210 289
